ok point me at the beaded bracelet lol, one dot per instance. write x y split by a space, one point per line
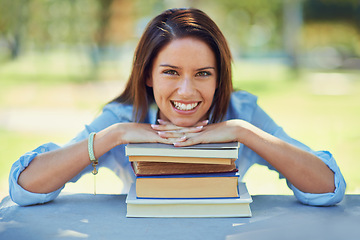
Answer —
93 160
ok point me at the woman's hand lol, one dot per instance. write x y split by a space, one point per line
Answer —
138 133
175 134
228 131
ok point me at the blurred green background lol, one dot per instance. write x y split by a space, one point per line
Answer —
61 61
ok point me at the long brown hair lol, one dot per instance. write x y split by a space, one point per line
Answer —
169 25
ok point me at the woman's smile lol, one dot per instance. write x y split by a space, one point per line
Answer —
181 106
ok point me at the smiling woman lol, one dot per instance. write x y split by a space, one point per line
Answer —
173 27
179 92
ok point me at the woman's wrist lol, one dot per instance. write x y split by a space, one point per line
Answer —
108 138
241 130
116 134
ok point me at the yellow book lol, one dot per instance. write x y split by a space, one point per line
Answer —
214 185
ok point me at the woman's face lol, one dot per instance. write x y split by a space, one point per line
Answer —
184 81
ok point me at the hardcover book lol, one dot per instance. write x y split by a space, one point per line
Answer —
169 159
218 207
169 168
214 185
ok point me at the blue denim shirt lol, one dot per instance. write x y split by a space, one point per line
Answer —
243 106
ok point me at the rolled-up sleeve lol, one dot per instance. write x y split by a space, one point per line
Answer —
20 195
324 199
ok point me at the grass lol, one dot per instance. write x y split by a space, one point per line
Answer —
321 120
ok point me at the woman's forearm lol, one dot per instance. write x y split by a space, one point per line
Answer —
303 169
49 171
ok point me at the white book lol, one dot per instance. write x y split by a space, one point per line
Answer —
211 150
207 207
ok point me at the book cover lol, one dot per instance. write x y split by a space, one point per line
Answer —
221 207
213 185
212 150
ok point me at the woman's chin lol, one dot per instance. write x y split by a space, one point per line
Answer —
184 123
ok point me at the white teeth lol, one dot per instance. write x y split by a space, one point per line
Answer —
185 107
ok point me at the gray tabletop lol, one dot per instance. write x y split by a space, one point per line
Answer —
85 216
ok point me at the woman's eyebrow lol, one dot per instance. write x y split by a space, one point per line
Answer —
168 65
199 69
204 68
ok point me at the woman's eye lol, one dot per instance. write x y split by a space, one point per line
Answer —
203 74
170 72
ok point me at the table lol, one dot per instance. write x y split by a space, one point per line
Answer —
85 216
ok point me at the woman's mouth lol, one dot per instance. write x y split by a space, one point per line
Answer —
184 106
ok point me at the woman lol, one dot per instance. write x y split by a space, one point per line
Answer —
181 79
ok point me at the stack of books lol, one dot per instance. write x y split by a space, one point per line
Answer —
195 181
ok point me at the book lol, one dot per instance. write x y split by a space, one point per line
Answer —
200 160
214 185
211 150
170 168
219 207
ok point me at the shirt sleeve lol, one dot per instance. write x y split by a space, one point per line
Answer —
260 119
112 113
20 195
324 199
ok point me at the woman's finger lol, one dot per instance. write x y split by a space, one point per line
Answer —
167 127
176 129
180 132
188 141
163 122
201 123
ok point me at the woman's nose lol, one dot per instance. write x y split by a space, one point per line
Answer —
186 87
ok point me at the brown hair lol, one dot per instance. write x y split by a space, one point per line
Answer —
169 25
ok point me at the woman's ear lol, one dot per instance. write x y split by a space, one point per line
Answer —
149 82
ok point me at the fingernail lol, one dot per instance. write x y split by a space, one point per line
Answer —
153 126
205 121
161 134
160 121
199 127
